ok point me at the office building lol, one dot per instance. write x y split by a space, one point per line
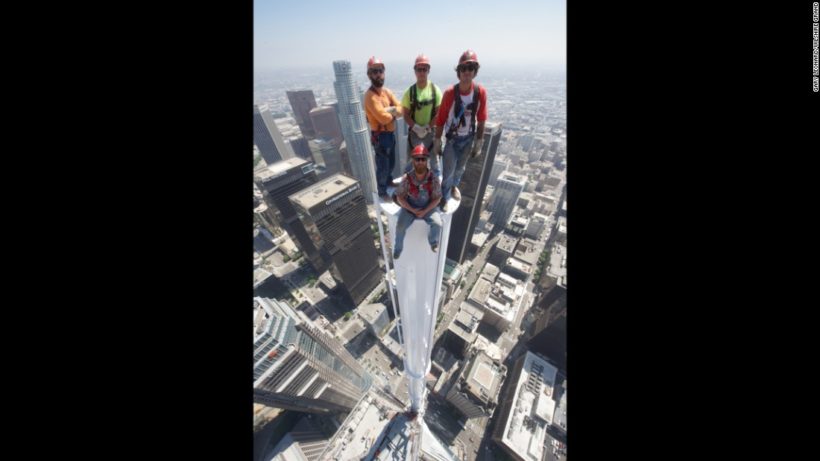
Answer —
375 317
334 213
279 181
472 187
461 333
301 148
326 153
505 196
533 409
504 248
302 101
475 392
355 130
499 166
326 123
268 138
299 367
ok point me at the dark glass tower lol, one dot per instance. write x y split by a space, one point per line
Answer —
334 213
279 181
302 101
472 187
267 137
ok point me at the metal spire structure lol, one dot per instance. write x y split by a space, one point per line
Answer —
418 277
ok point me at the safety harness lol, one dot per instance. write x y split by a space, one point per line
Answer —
415 104
413 189
458 111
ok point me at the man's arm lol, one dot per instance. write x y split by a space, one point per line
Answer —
406 205
375 107
433 203
405 106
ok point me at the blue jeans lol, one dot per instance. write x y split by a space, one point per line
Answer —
433 218
385 148
456 153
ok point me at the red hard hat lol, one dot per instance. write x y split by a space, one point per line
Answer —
374 62
468 56
422 59
419 151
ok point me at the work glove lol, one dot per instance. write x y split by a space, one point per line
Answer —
394 111
421 131
437 146
477 144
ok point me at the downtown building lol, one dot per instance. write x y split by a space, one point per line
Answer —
302 102
280 180
402 159
327 154
301 148
298 367
268 138
505 196
334 214
499 166
474 393
473 185
355 129
326 123
500 301
531 421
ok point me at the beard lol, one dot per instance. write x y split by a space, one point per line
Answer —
421 169
378 82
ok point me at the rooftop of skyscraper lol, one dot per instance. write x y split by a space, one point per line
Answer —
490 272
280 168
533 408
512 177
324 190
507 243
483 377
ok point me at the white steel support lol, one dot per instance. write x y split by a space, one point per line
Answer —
419 274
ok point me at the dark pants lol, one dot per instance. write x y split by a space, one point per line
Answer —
385 148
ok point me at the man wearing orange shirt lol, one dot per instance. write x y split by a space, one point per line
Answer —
382 109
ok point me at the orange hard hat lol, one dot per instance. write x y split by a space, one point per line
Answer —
468 56
374 62
419 151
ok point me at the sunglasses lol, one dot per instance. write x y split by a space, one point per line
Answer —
422 69
422 159
470 67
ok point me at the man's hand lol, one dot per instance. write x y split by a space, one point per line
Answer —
421 131
391 110
419 213
478 143
437 146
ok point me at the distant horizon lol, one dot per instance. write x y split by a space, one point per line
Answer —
311 34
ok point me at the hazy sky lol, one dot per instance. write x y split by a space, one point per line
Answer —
314 33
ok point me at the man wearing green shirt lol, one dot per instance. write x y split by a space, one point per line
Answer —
420 103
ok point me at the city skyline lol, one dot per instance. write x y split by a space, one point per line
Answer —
312 33
454 329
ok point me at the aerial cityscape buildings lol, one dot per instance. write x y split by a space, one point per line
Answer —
348 342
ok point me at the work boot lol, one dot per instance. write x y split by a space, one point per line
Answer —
434 247
456 194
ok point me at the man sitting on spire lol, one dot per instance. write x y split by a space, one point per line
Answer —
418 194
